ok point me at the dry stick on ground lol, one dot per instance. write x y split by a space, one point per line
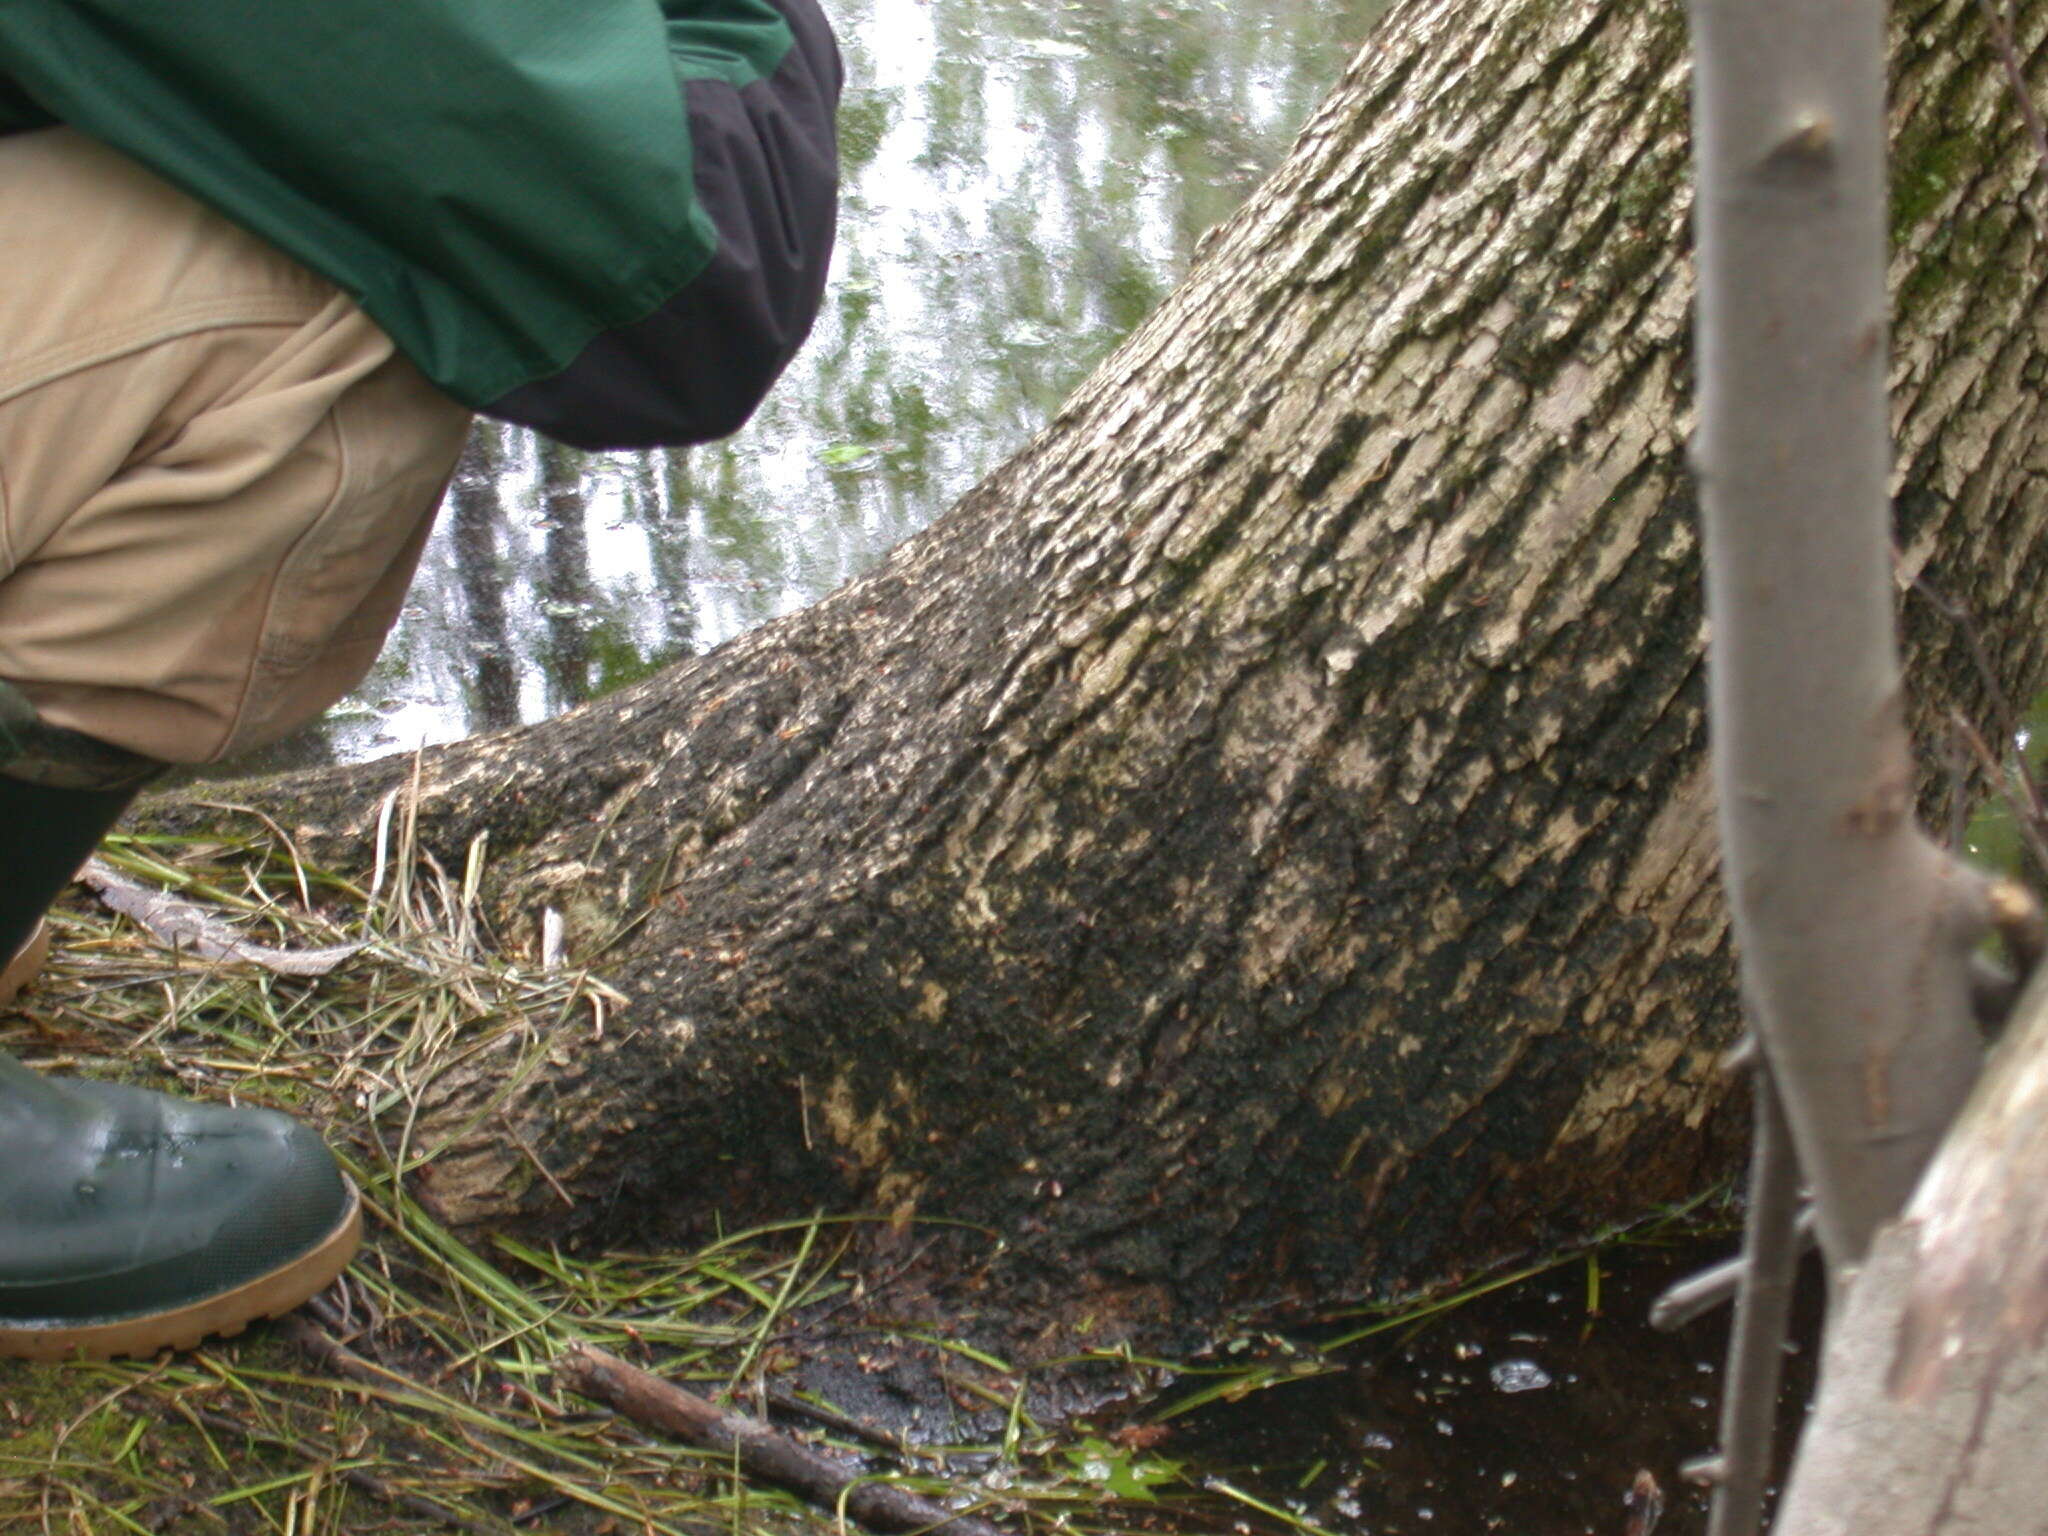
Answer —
337 1356
788 1402
759 1450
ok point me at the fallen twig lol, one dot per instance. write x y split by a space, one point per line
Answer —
337 1356
786 1401
759 1450
182 923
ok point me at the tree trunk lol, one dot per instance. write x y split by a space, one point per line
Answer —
1255 847
1932 1392
476 504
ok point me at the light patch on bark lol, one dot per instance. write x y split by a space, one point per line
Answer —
1602 1113
867 1137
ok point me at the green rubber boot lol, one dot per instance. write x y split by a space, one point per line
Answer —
131 1222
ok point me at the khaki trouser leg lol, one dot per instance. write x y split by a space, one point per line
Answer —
216 474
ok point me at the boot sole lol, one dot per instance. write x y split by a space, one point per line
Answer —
221 1316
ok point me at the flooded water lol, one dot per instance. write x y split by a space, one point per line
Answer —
1023 183
1534 1410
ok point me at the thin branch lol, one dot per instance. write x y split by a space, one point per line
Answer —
1853 950
1697 1295
1763 1307
2007 718
785 1401
2034 816
2005 722
760 1451
2008 51
339 1358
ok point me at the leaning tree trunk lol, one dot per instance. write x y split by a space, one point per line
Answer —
1256 846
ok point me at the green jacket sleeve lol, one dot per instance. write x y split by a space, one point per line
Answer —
504 184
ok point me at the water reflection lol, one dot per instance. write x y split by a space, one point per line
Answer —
1534 1409
1023 184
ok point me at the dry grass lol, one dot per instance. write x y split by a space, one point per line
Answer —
444 1413
441 1412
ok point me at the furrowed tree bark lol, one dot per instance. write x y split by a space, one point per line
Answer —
1256 847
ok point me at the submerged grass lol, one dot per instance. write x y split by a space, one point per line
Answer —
438 1410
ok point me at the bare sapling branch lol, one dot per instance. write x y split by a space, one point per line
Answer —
1697 1295
1854 927
1763 1305
1857 934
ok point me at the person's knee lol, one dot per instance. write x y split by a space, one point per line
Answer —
33 751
